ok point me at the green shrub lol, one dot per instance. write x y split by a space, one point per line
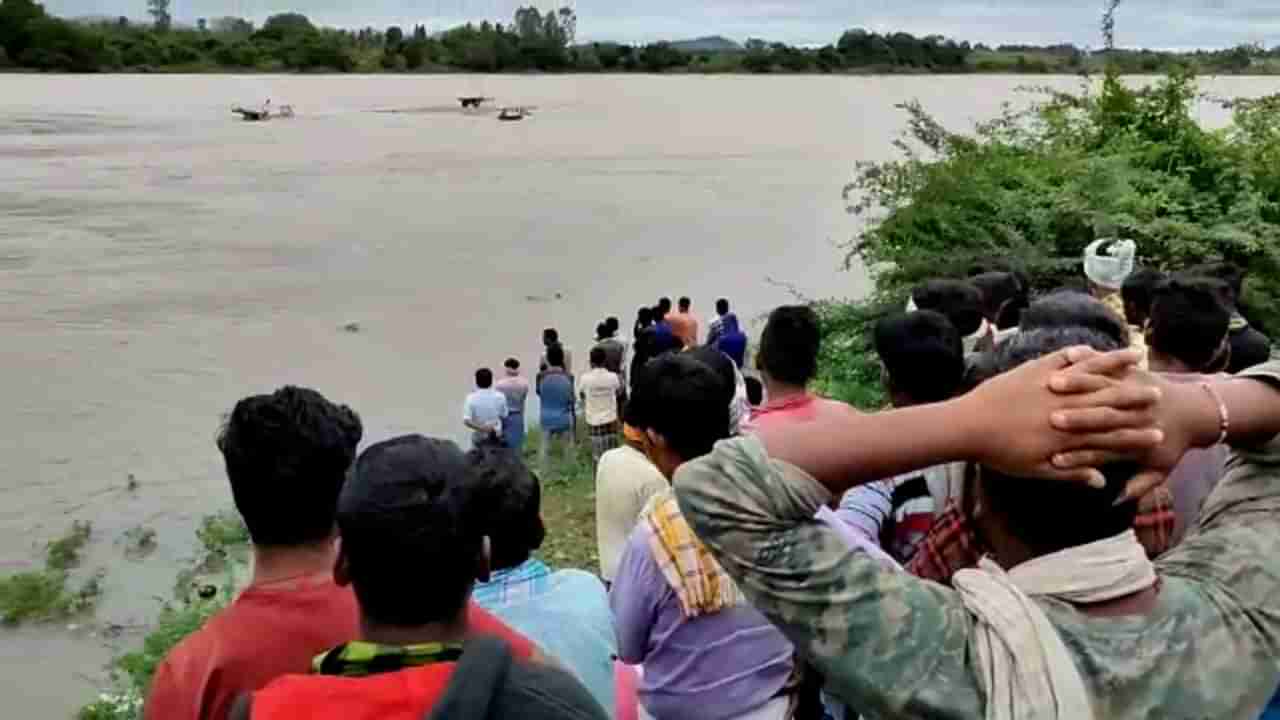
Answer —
1030 189
64 553
42 595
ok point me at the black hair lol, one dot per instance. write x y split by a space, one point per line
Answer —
512 500
602 331
550 336
960 301
723 367
755 391
512 364
1229 273
660 312
597 356
665 304
923 354
555 356
484 378
1189 322
789 345
1010 315
1137 292
411 531
287 455
1071 309
722 306
685 303
644 316
682 399
997 288
612 324
1076 514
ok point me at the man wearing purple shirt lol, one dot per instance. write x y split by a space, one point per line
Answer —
719 660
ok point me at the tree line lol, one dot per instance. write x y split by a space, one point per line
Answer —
32 39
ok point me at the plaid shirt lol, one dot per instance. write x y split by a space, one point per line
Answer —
952 545
521 583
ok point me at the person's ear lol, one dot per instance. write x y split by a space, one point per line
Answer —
341 565
653 440
482 561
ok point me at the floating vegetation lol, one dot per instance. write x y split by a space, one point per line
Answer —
42 596
139 542
223 532
64 553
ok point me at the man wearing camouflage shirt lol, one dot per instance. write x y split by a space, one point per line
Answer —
1201 641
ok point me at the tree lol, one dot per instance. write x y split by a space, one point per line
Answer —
394 37
660 56
415 54
15 19
568 21
829 60
528 24
286 25
159 12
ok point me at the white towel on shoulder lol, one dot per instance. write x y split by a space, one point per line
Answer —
1023 665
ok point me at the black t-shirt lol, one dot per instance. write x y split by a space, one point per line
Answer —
488 684
1249 348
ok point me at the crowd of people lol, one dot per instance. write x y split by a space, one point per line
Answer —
1071 510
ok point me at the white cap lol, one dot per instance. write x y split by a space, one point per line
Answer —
1110 269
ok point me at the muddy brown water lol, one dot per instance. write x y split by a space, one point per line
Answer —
159 260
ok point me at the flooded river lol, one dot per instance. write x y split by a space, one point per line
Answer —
160 260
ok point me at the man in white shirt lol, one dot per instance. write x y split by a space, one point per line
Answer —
625 480
484 410
599 390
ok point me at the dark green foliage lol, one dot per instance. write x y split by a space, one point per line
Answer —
1030 189
660 56
861 48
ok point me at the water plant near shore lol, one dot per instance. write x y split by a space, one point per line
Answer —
64 553
43 595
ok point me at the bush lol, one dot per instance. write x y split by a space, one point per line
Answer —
1031 189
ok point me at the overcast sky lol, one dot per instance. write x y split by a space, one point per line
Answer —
1173 24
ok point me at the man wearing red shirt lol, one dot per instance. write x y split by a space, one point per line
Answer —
412 546
287 455
788 361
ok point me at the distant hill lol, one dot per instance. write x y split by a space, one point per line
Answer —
713 43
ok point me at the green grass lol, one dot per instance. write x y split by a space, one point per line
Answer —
568 505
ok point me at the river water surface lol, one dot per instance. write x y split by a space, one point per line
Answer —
160 260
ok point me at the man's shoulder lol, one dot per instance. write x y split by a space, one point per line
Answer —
583 590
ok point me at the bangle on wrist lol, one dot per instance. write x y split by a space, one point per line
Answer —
1224 415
